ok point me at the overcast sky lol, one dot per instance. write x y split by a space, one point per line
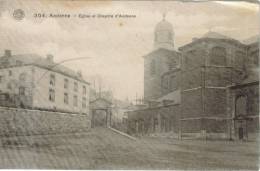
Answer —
115 46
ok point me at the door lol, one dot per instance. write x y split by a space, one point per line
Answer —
240 133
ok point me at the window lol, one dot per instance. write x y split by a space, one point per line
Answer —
75 100
75 86
153 67
10 73
21 91
66 98
84 102
66 83
218 56
84 90
52 80
22 77
173 82
241 105
51 95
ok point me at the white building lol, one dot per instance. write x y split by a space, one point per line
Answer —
32 81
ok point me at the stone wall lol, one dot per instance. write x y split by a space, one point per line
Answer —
171 81
218 76
191 104
14 121
191 78
156 64
215 103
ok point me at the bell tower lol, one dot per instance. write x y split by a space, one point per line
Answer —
156 63
164 35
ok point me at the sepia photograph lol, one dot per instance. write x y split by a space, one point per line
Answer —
129 85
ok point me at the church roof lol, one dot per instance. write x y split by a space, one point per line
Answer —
215 35
212 36
252 39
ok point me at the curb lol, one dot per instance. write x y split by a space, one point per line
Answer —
122 133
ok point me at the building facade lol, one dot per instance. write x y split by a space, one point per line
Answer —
216 81
31 81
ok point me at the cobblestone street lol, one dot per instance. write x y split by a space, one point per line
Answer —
104 149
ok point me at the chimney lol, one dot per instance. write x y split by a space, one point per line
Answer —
49 58
79 73
8 53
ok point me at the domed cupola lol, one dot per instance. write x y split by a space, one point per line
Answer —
164 35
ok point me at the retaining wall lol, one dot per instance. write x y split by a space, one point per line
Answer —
15 121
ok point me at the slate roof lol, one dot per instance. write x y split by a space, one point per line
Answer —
164 52
215 35
36 60
212 36
174 96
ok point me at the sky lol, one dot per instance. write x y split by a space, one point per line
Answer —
114 47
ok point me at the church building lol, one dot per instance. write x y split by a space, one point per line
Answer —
206 89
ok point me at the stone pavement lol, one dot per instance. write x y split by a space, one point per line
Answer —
102 148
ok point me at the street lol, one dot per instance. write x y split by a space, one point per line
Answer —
102 148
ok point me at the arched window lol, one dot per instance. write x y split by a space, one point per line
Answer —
218 56
241 105
153 67
21 91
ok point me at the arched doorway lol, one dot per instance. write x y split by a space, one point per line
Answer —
101 113
241 117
